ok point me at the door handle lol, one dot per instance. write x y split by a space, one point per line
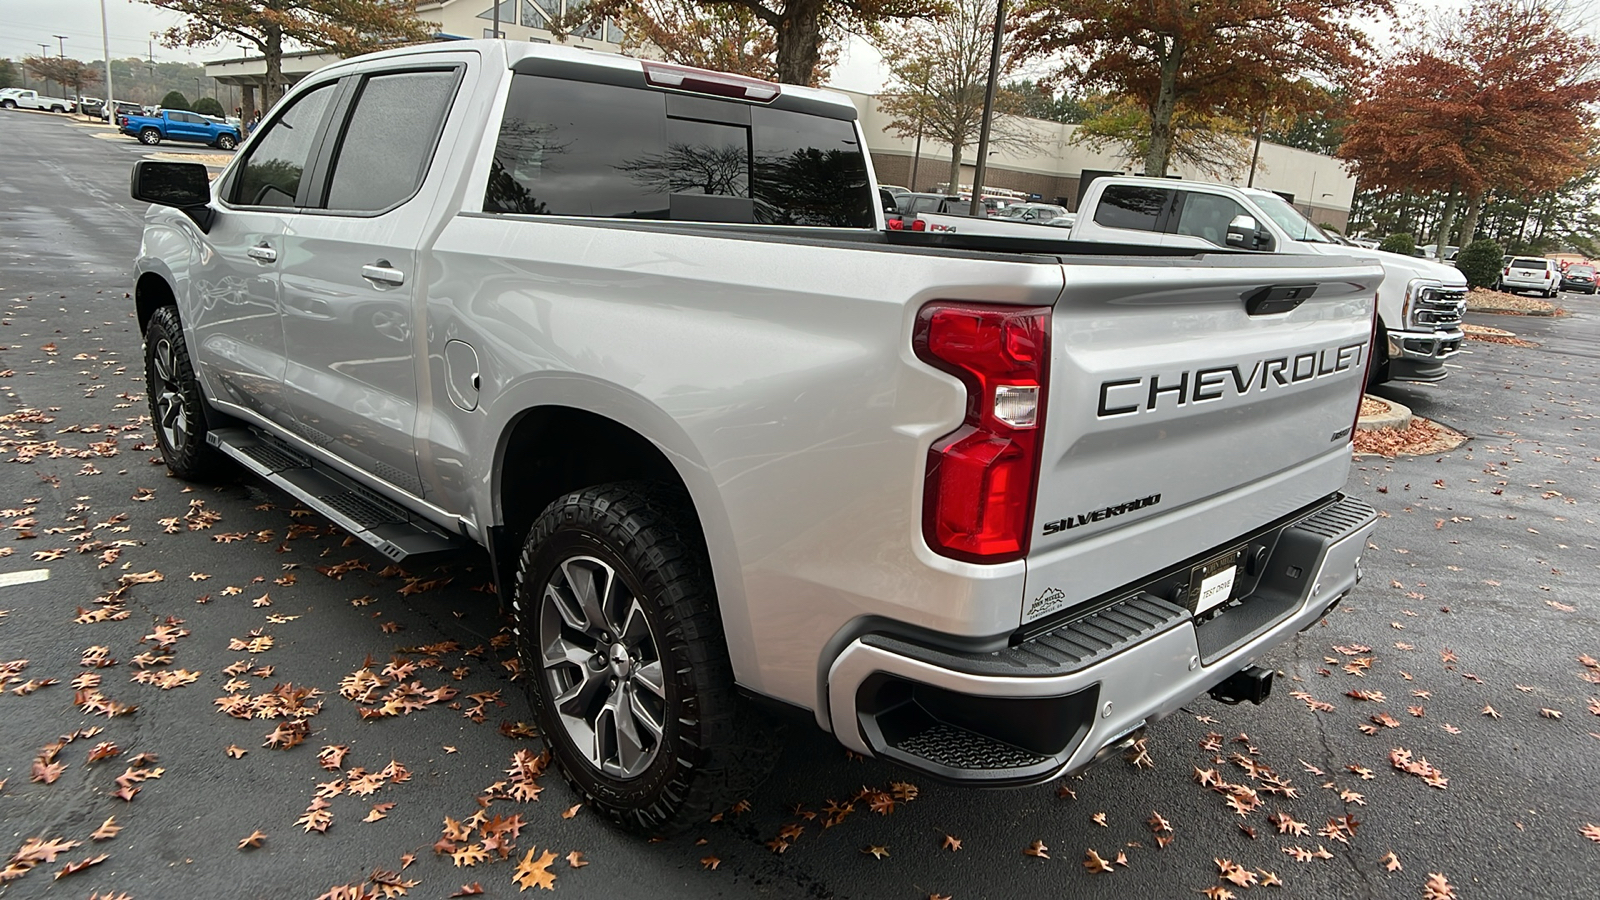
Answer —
263 253
383 273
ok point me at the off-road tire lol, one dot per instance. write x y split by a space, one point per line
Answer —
1378 364
714 747
193 459
225 142
149 137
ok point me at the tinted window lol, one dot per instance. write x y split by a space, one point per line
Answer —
579 149
1528 263
389 140
1207 216
1126 206
271 174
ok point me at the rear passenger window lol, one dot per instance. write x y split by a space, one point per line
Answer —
1207 216
1127 206
571 148
389 140
271 174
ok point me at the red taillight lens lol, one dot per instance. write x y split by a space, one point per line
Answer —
979 491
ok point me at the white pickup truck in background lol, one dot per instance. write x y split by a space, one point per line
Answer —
17 98
1420 303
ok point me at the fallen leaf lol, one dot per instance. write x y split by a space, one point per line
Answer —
571 810
469 890
531 872
254 840
951 843
1438 888
706 862
575 859
73 868
876 851
235 751
1095 863
1391 862
1037 848
107 830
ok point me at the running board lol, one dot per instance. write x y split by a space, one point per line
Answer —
391 530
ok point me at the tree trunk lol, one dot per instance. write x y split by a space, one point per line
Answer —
800 41
1469 222
954 187
1161 133
273 88
1446 221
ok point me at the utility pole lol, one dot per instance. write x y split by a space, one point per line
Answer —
61 41
497 19
105 48
44 53
988 109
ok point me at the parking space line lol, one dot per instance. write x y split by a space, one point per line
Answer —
27 576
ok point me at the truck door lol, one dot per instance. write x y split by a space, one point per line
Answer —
234 294
1130 214
351 270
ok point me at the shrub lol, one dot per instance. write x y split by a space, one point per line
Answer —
1480 262
174 100
208 106
1402 243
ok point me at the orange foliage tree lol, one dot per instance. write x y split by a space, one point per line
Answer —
1495 100
1209 57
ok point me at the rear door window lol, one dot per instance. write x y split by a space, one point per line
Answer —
1133 207
1528 264
571 148
390 139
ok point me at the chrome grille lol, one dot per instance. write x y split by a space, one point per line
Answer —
1443 310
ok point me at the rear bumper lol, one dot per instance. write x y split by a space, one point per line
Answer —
1054 703
1420 355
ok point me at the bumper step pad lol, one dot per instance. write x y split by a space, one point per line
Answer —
393 531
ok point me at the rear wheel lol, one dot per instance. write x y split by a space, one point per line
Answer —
626 664
8 104
149 136
177 408
58 109
224 142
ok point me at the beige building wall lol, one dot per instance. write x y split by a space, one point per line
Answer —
520 20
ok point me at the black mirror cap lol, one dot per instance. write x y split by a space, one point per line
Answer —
185 186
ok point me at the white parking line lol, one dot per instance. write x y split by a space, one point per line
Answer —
27 576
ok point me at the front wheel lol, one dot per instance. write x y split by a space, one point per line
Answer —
149 136
225 142
177 410
626 664
8 104
58 109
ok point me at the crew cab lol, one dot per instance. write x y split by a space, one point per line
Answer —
974 506
18 98
1420 304
178 125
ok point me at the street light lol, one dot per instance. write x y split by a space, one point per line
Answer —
105 48
988 109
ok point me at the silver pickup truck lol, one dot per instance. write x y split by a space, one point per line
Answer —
732 447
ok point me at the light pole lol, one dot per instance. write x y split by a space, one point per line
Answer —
105 48
44 53
988 109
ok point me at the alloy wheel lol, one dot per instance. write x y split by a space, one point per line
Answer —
172 417
602 667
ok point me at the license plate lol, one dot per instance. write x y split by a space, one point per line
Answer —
1211 582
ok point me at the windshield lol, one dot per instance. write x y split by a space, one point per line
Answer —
1290 220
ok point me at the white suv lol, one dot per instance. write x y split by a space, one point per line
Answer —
1530 273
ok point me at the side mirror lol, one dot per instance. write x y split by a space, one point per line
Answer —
185 186
1246 233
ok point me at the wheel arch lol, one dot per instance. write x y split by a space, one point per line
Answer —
544 451
151 292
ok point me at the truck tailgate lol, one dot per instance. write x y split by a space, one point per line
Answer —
1177 420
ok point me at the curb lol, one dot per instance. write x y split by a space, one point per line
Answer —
1394 416
1496 311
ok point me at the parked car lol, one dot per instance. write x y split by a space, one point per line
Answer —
1037 213
980 511
17 98
1531 273
1579 278
177 125
90 106
124 108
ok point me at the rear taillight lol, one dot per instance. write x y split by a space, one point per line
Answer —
1372 347
979 491
702 81
1508 270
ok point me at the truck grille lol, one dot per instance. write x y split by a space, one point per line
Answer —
1444 310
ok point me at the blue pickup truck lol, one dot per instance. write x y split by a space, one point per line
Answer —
177 125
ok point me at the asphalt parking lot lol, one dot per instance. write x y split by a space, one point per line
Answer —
1462 648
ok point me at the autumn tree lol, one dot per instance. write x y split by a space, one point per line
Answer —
802 34
940 69
345 27
1211 57
1212 144
8 74
1494 100
69 73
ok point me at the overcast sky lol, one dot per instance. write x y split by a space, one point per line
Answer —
25 24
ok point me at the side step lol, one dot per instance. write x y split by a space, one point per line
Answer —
394 532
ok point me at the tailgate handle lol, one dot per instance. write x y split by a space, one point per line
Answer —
1277 298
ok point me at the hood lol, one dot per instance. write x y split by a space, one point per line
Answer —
1445 274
